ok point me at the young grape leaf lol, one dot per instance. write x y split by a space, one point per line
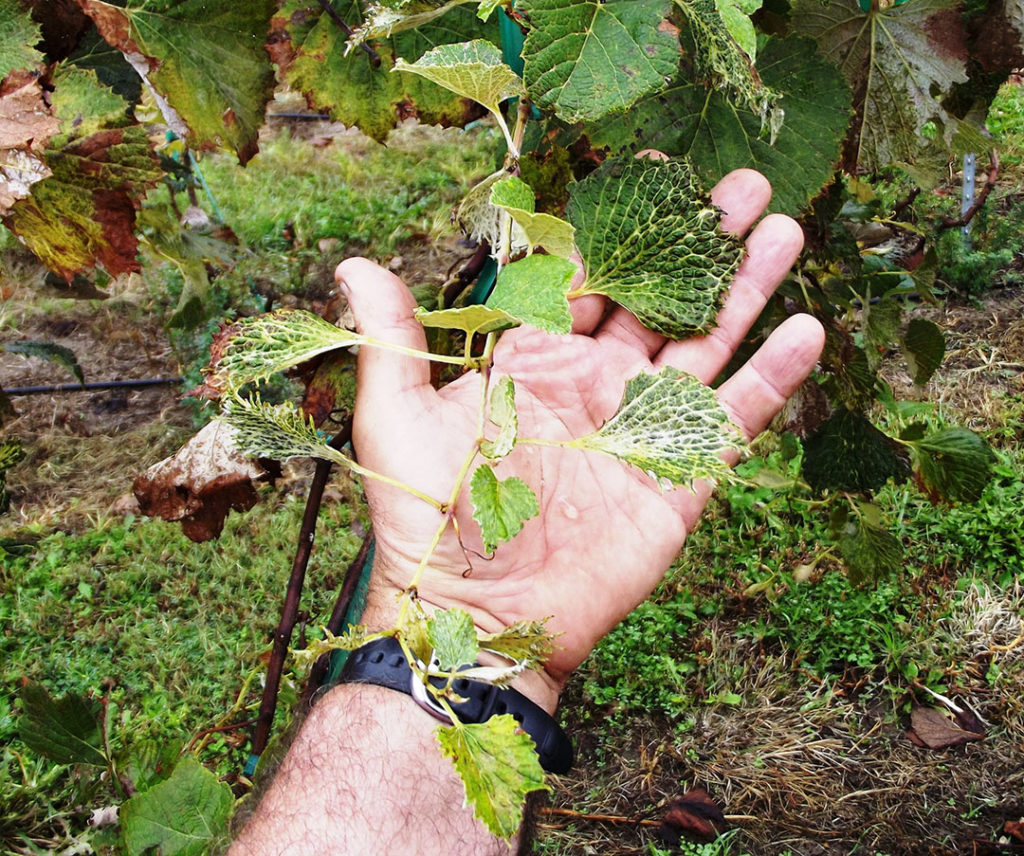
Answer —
83 214
954 464
183 814
482 221
669 425
475 319
525 642
212 67
736 17
453 637
870 551
586 59
67 730
473 70
259 347
48 351
355 86
276 431
650 240
18 33
719 59
541 230
849 453
924 347
498 765
901 60
500 507
533 291
719 136
503 414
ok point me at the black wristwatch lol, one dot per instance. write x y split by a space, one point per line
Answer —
383 664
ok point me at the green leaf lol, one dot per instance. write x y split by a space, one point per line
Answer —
719 60
533 291
84 213
48 351
736 17
276 431
671 426
585 59
954 464
719 136
206 58
18 34
182 815
503 414
924 347
525 642
541 230
67 730
901 60
498 765
453 637
259 347
473 70
475 319
849 453
870 551
882 323
311 51
650 240
500 507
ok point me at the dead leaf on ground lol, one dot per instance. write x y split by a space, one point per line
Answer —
930 728
201 483
693 817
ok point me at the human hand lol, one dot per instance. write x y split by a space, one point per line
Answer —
606 532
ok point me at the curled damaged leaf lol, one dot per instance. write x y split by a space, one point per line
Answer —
932 729
207 478
26 123
691 817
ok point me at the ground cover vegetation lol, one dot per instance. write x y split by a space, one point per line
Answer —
852 594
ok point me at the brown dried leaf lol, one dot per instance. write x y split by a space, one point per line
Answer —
934 730
1014 829
693 816
201 483
25 125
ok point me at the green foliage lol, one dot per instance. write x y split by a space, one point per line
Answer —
453 636
182 815
532 290
499 767
500 506
68 730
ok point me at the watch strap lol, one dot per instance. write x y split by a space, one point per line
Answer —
382 663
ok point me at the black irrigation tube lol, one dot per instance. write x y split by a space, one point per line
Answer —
92 387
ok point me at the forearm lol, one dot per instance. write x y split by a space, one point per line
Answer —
365 775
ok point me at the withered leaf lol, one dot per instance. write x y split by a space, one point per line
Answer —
201 483
930 728
25 125
693 817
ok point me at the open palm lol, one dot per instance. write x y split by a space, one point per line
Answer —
605 533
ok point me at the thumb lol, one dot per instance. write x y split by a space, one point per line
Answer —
383 309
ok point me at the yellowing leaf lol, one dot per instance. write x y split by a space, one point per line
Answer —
18 32
669 425
475 319
503 414
500 507
540 230
498 765
472 69
525 642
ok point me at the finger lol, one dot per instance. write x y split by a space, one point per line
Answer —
742 195
772 248
588 310
383 308
757 392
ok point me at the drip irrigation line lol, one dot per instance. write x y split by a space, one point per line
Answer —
92 387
